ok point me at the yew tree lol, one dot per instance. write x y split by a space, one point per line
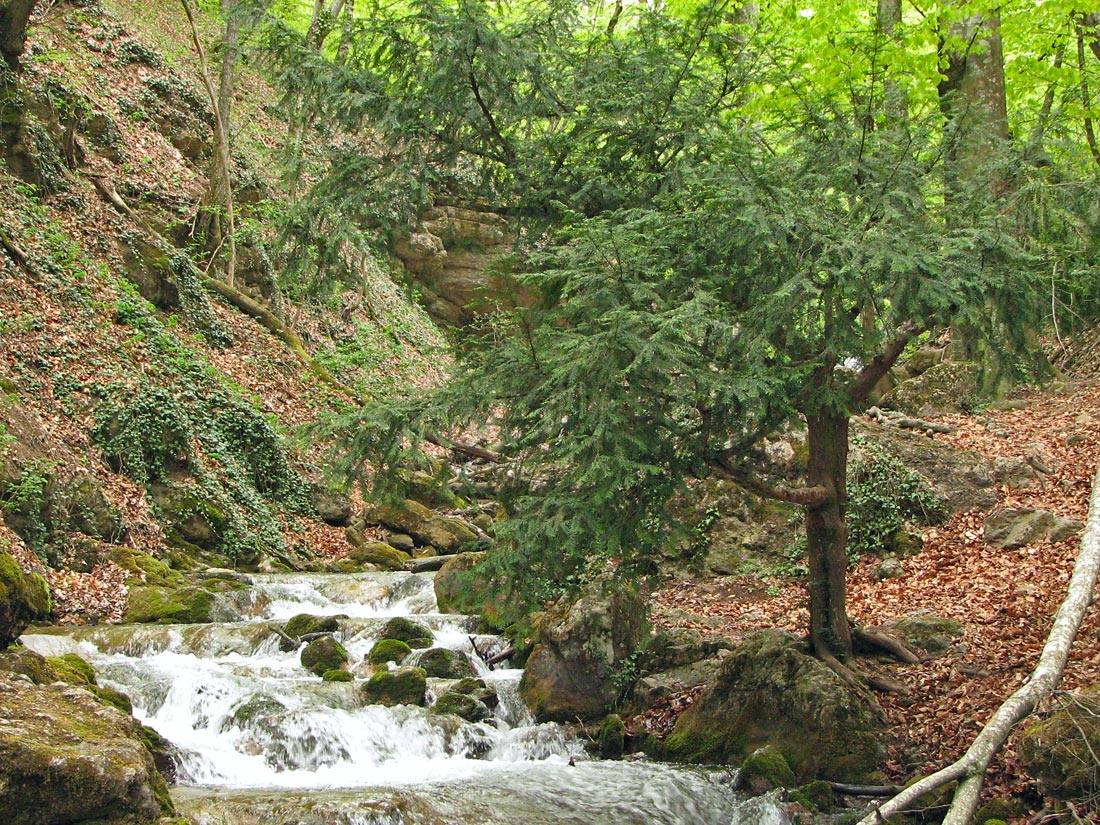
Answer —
710 271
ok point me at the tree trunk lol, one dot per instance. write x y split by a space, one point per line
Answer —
14 16
970 769
827 534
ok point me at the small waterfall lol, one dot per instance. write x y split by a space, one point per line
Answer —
262 739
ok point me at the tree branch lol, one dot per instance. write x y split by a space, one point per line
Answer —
806 496
865 380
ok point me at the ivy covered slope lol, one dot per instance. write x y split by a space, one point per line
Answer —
144 422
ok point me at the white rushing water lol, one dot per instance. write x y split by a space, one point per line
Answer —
256 730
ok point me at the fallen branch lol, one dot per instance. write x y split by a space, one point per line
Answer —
905 422
500 657
969 770
866 790
427 565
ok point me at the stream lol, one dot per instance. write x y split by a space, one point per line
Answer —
262 740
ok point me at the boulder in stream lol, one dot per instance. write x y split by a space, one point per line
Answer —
388 650
324 654
771 692
404 686
414 634
444 663
462 705
67 757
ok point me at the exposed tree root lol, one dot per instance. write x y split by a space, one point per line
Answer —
873 639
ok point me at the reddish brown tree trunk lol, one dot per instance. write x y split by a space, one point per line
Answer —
827 534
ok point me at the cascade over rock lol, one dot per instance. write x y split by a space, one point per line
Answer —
580 651
771 692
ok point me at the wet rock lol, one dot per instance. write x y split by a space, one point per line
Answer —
414 634
770 691
575 667
67 757
305 623
24 598
337 675
443 663
766 769
404 686
322 655
1011 528
388 650
183 605
612 739
462 705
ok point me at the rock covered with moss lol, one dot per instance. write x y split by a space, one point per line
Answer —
324 654
771 692
24 598
404 686
388 650
414 634
65 756
1060 750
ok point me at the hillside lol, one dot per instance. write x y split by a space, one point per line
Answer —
123 378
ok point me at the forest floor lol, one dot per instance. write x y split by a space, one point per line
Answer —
1005 600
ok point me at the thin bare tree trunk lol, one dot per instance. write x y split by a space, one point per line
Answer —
970 769
220 180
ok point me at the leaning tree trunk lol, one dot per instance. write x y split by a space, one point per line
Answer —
14 18
827 535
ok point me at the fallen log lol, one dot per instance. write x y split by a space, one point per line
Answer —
500 657
426 565
866 790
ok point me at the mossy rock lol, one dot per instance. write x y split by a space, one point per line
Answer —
388 650
770 691
114 698
766 769
24 598
71 669
168 605
612 740
379 554
998 811
404 686
412 633
443 663
144 566
322 655
28 663
817 796
926 632
65 756
337 675
190 513
165 754
305 623
463 706
1060 751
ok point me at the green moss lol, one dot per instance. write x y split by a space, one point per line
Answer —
141 565
404 686
380 555
115 698
305 623
322 655
186 605
32 665
406 630
446 664
817 796
461 705
612 739
72 669
337 676
388 650
765 769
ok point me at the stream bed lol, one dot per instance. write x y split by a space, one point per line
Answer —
262 740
